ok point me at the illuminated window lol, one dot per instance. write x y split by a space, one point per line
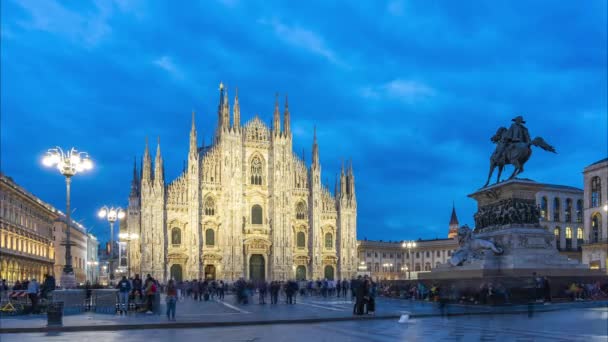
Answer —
596 223
557 233
544 213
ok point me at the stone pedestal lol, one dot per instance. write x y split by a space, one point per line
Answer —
508 216
68 280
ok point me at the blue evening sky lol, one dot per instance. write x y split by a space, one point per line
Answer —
411 90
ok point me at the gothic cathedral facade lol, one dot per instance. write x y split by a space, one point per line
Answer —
245 206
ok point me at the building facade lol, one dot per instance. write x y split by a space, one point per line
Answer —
92 264
245 206
595 248
393 260
561 212
26 234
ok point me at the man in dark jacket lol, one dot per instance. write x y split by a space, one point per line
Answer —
137 286
124 287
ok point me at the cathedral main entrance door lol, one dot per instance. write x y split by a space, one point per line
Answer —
257 268
301 273
329 272
210 272
176 272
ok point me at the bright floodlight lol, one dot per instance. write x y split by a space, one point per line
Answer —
123 235
47 161
121 215
102 213
87 164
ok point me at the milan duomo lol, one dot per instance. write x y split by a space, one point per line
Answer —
246 206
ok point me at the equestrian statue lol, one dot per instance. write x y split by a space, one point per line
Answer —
513 146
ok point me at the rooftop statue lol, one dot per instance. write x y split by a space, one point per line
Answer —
513 146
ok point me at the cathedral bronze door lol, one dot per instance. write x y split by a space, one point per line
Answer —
257 268
301 273
329 272
176 272
210 272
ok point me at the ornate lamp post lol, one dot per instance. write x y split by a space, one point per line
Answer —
128 237
68 163
112 215
409 245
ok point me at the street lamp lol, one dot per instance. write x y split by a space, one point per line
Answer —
68 163
128 237
112 215
409 245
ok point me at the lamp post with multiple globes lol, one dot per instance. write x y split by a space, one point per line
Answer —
409 245
69 164
112 215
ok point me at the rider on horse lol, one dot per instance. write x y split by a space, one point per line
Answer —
516 133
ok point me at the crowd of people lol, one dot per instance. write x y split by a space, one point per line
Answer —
143 294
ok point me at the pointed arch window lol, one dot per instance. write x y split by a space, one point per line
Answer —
256 214
176 236
256 171
209 206
301 211
329 241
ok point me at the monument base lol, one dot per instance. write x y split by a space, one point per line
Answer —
68 280
508 217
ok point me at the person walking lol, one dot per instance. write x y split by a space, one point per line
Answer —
32 292
171 300
262 292
274 292
124 287
221 290
150 291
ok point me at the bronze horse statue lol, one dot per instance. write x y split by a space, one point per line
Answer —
514 153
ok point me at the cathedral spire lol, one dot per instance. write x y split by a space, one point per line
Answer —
226 112
147 164
158 165
135 180
286 118
236 112
193 146
453 228
276 122
315 149
220 117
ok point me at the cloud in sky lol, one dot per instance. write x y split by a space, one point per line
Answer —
412 91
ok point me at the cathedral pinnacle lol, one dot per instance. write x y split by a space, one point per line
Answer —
236 111
315 148
286 118
146 173
276 122
193 147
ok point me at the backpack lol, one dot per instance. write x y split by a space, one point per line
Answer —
153 288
